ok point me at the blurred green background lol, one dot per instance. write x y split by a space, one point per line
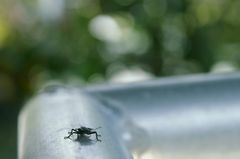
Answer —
99 41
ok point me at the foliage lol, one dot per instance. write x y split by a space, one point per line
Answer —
91 40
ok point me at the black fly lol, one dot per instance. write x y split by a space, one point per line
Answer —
82 131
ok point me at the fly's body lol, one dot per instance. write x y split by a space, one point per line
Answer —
83 131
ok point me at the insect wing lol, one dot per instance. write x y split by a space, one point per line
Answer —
85 128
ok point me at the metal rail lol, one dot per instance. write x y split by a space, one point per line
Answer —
173 118
48 117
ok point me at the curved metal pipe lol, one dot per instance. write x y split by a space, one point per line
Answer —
48 117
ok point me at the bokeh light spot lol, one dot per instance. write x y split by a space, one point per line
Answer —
105 28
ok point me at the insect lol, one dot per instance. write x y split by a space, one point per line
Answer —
83 131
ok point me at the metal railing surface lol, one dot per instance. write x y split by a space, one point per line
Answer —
171 118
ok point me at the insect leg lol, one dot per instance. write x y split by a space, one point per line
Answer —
70 133
97 135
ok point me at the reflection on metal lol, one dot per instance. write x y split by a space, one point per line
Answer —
174 118
146 155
